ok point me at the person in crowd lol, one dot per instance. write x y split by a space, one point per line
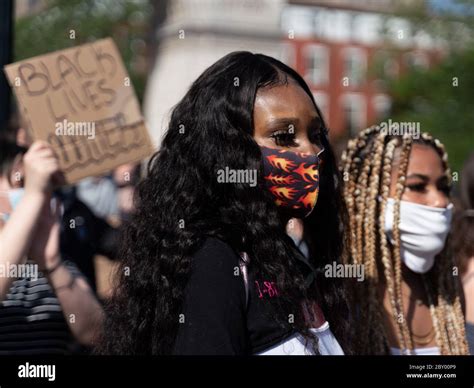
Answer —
110 196
85 235
207 265
462 243
46 305
397 190
99 193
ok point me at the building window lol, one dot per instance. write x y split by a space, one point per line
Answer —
367 28
297 20
386 66
354 65
323 104
354 108
382 105
322 24
316 59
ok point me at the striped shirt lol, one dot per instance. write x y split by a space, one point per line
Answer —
31 318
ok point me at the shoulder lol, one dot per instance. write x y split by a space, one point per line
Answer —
215 254
215 268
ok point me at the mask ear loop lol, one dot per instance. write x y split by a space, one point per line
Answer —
324 133
320 159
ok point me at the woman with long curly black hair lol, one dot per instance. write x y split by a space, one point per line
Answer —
207 265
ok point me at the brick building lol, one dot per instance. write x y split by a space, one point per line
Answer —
347 50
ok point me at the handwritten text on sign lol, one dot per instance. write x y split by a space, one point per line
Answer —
86 87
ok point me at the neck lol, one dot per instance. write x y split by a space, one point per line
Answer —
284 217
408 276
414 282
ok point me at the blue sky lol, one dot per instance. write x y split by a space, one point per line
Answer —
447 5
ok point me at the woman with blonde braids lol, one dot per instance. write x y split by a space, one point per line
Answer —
397 194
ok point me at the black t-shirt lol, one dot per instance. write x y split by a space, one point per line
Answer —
217 318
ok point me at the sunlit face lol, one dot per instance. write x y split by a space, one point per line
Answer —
426 182
285 118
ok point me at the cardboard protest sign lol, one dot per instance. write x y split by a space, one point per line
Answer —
81 101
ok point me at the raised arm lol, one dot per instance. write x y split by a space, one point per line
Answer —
16 235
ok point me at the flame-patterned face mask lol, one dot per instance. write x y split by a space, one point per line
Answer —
293 180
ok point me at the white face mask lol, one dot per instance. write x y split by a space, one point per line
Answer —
14 197
423 232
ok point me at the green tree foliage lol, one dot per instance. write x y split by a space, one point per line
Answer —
441 100
88 20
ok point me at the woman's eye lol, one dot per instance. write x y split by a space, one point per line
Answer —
418 188
284 138
446 189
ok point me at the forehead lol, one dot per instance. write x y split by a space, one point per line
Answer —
289 100
424 160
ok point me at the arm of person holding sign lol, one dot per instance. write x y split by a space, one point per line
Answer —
15 235
32 231
80 307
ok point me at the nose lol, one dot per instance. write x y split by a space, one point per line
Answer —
310 148
437 198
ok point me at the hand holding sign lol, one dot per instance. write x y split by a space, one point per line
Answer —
42 173
80 100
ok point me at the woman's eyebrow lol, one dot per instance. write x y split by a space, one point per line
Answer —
418 176
286 121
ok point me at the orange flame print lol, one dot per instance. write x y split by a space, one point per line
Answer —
309 199
306 172
279 202
280 180
284 164
283 192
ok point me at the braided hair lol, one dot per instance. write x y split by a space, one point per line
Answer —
366 166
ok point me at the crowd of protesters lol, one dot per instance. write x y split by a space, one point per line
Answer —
50 235
387 207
